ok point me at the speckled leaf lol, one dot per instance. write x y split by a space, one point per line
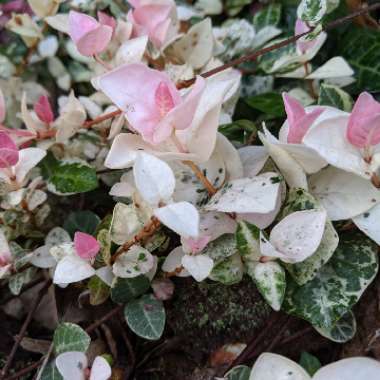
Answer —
270 279
298 200
70 337
221 248
330 95
240 372
247 241
342 331
146 317
229 271
338 285
104 239
17 281
99 291
312 10
126 289
269 15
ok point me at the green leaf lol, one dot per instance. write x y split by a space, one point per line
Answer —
268 16
229 271
270 103
240 372
126 289
17 281
270 279
298 200
71 177
51 373
221 248
342 331
361 49
48 165
233 7
83 221
247 241
333 96
99 291
239 130
104 239
312 11
146 317
70 337
310 363
280 60
338 285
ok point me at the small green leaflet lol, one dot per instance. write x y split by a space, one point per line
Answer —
338 285
99 291
228 272
270 279
333 96
247 241
239 130
83 221
235 6
126 289
343 330
17 281
70 337
51 373
146 317
270 103
70 177
240 372
310 363
298 200
221 248
312 11
268 16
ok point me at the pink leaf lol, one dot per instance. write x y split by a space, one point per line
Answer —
163 98
299 121
163 288
86 246
89 35
106 19
196 245
43 110
9 155
302 44
363 128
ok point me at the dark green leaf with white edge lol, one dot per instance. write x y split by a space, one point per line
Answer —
338 285
83 221
298 200
240 372
268 16
228 272
126 289
51 373
342 331
310 363
70 337
330 95
247 241
312 11
146 317
221 248
270 103
71 177
270 279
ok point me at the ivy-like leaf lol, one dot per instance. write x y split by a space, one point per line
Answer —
312 11
268 16
70 337
330 95
51 373
247 241
126 289
338 285
146 317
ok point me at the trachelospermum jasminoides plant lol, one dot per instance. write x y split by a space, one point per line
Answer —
135 130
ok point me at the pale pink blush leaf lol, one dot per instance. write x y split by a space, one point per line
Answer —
95 41
86 246
163 98
9 154
106 19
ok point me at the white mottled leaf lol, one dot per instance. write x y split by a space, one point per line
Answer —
199 266
72 269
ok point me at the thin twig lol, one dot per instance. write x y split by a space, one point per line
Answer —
26 370
202 178
128 344
107 316
277 338
24 327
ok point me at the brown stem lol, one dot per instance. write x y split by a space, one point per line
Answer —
24 327
100 119
106 317
206 183
309 81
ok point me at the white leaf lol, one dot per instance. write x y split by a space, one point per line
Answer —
59 22
333 68
246 195
299 234
29 158
356 368
199 266
71 365
344 195
106 275
131 51
253 159
100 369
48 46
57 235
62 250
134 262
174 261
154 179
72 269
41 258
181 217
368 222
276 367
